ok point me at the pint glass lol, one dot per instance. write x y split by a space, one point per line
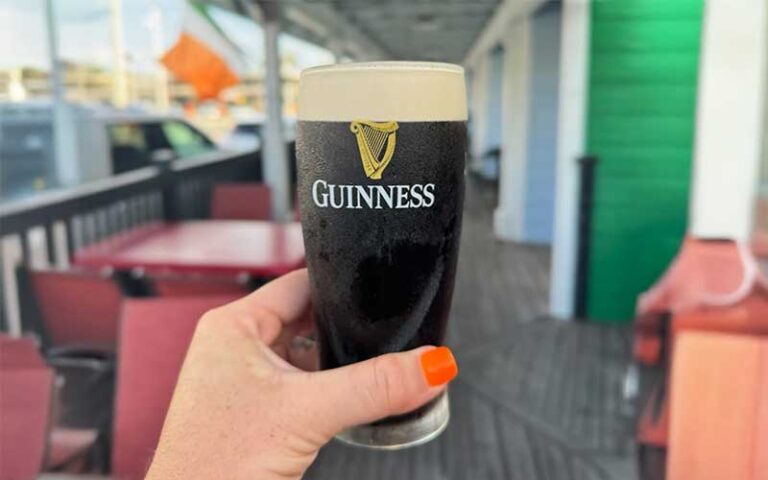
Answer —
381 150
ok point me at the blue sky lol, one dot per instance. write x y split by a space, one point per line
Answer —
84 34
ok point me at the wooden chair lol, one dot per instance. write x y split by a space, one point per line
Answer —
719 407
241 201
154 337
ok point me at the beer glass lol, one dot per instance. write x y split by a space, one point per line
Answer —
381 150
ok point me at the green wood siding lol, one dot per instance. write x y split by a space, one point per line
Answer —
641 116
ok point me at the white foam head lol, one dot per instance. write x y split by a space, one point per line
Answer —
400 91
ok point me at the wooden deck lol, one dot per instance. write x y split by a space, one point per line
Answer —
536 399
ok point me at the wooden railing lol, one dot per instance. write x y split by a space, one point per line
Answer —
45 230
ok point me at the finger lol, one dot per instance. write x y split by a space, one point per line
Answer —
364 392
265 312
287 297
301 327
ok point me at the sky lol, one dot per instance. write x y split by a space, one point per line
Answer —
84 34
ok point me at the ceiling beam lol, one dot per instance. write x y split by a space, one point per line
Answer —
315 22
333 30
497 27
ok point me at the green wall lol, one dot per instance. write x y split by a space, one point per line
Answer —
640 123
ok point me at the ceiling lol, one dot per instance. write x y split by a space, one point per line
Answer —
438 30
441 30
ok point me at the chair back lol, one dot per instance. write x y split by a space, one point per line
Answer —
26 386
77 307
197 286
154 336
19 353
241 201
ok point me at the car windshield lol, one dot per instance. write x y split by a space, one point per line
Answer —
248 129
26 158
185 140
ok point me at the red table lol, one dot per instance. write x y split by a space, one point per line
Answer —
262 249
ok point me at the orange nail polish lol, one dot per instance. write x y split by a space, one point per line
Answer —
439 366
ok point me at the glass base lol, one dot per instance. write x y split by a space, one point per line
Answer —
408 430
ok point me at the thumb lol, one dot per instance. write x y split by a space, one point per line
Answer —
387 385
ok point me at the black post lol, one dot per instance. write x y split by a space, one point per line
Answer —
169 192
587 167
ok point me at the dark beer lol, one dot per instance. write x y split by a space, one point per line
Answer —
381 152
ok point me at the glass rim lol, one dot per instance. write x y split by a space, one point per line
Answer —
389 65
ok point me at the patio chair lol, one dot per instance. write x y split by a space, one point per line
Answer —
713 286
198 285
31 443
241 201
154 337
77 310
747 320
75 315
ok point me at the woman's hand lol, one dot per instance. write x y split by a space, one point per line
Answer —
242 411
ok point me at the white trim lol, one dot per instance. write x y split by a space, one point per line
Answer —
574 63
274 158
11 251
478 112
508 219
729 119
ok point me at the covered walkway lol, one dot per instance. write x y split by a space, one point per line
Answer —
536 398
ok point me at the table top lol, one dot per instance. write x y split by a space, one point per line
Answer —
263 249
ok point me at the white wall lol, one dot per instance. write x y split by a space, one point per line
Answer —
539 210
729 128
574 62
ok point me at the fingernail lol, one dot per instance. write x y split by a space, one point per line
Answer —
439 366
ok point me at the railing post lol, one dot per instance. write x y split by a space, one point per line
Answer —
171 208
587 167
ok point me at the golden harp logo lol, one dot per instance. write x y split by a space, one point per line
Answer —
376 142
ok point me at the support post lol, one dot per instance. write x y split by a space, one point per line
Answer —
574 59
155 26
586 204
275 153
67 167
508 217
478 111
119 76
729 120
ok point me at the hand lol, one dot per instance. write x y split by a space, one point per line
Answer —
242 411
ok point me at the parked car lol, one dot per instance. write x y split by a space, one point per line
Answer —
247 133
102 141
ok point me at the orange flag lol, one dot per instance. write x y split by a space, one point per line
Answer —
203 56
